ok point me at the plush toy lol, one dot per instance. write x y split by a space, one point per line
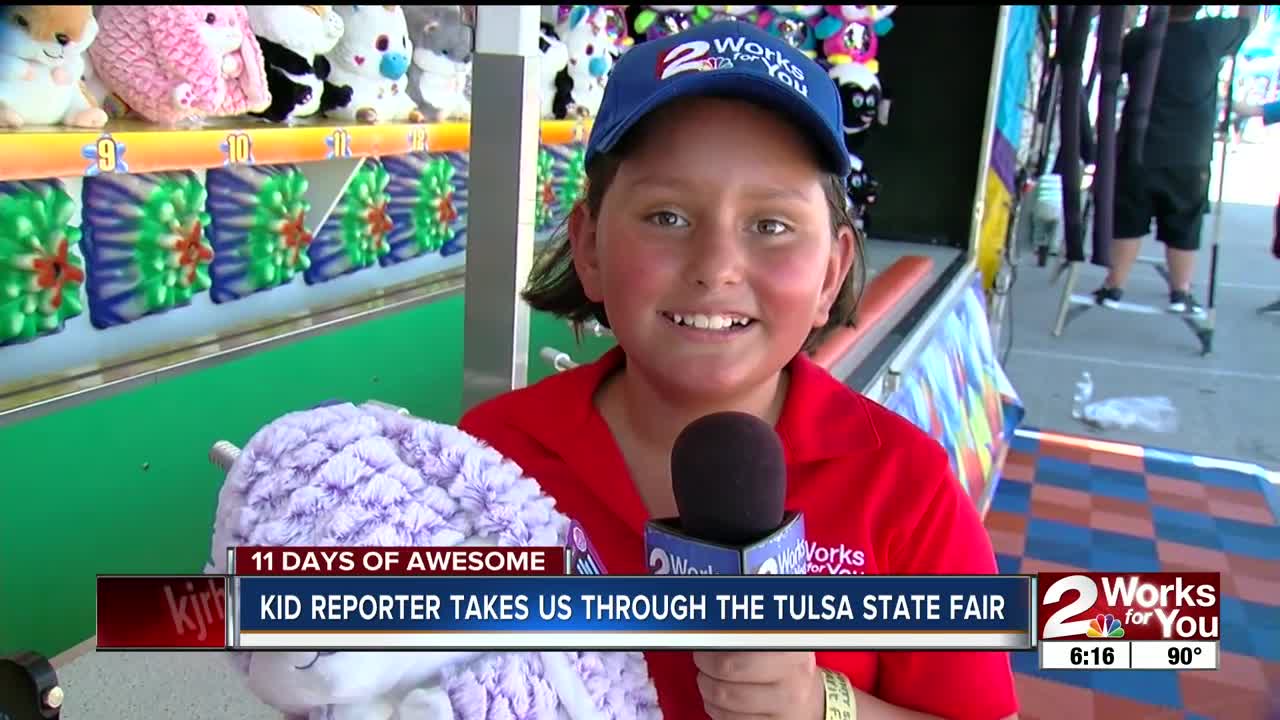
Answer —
793 24
41 63
848 41
174 63
611 18
592 42
863 188
860 95
440 76
876 15
372 59
713 13
294 39
370 476
555 58
659 21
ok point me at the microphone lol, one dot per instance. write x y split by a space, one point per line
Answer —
730 482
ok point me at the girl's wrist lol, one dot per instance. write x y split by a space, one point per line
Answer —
839 700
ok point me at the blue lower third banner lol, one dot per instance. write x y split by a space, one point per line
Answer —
829 612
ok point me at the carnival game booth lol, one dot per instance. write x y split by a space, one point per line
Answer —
183 259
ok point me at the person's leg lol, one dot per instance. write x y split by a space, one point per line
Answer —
1182 198
1182 265
1124 253
1132 220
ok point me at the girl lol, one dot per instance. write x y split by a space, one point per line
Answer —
715 242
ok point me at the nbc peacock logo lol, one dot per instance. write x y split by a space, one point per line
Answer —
1105 626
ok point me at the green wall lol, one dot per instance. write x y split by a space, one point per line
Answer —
123 484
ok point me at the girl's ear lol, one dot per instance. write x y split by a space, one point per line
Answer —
583 240
843 252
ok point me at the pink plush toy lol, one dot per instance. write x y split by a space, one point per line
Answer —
171 63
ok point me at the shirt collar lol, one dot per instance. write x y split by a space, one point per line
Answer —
822 419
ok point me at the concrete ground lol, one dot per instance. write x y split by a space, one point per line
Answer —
1228 403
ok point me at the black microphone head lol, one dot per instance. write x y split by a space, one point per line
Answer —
729 477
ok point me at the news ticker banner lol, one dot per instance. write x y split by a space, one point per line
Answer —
571 612
481 598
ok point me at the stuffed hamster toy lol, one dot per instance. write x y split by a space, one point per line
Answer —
659 21
373 60
173 63
555 58
369 476
294 39
592 42
440 76
41 63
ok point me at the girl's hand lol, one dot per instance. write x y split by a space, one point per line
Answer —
760 685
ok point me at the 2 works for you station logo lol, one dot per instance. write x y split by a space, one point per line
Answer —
728 52
1129 606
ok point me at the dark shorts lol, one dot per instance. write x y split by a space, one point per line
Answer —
1176 197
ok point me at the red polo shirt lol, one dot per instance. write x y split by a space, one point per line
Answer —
877 493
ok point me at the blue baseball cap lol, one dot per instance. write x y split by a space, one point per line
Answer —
727 59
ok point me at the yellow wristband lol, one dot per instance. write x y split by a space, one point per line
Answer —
839 695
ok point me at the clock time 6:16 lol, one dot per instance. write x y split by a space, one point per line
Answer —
1093 656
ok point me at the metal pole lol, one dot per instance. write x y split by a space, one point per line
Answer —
500 226
1222 183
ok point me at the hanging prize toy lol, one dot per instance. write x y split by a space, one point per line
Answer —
863 192
716 13
659 21
794 24
860 96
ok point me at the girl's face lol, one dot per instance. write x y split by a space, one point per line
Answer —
713 251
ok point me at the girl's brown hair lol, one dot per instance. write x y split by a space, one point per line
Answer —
554 286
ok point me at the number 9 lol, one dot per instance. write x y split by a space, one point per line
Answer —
106 155
1056 626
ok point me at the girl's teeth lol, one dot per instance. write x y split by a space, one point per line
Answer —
707 322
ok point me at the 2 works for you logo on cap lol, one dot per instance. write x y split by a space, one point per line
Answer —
728 52
1132 606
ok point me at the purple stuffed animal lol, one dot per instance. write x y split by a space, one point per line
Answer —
344 475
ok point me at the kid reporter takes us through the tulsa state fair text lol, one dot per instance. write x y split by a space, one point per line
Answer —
714 242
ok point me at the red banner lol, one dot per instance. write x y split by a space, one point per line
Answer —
338 561
1129 606
149 612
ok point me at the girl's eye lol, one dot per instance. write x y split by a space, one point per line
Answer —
382 43
666 219
771 227
211 18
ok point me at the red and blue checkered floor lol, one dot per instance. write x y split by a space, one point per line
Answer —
1068 503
